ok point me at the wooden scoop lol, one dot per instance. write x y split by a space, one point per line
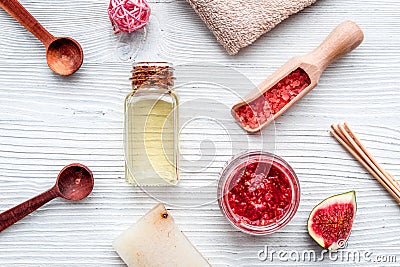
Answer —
343 39
64 55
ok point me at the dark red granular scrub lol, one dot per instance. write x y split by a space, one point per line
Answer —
258 192
260 110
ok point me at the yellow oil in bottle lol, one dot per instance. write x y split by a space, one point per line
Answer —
151 133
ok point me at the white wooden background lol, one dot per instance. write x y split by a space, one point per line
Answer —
47 122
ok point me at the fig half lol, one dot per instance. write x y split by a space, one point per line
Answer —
330 222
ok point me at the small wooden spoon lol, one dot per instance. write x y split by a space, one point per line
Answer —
343 39
64 55
74 182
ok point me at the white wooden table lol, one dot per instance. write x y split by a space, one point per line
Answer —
47 122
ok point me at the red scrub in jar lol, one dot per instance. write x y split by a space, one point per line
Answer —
258 192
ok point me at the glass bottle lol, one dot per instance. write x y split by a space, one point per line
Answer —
151 126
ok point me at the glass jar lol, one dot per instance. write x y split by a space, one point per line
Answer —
258 192
151 126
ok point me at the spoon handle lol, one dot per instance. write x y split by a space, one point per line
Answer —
18 12
15 214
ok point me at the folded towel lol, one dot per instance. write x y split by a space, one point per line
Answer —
238 23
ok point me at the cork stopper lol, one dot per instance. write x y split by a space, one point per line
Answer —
152 74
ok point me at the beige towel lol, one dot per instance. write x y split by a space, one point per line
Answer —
238 23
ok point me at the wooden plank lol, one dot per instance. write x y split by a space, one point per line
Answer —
47 122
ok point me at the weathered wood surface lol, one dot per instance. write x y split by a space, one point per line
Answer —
47 121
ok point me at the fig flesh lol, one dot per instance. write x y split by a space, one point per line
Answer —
330 222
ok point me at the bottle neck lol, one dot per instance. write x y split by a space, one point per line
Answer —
159 75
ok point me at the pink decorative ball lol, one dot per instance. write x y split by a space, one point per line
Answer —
128 15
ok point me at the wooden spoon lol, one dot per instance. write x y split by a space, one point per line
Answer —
64 55
74 182
343 39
